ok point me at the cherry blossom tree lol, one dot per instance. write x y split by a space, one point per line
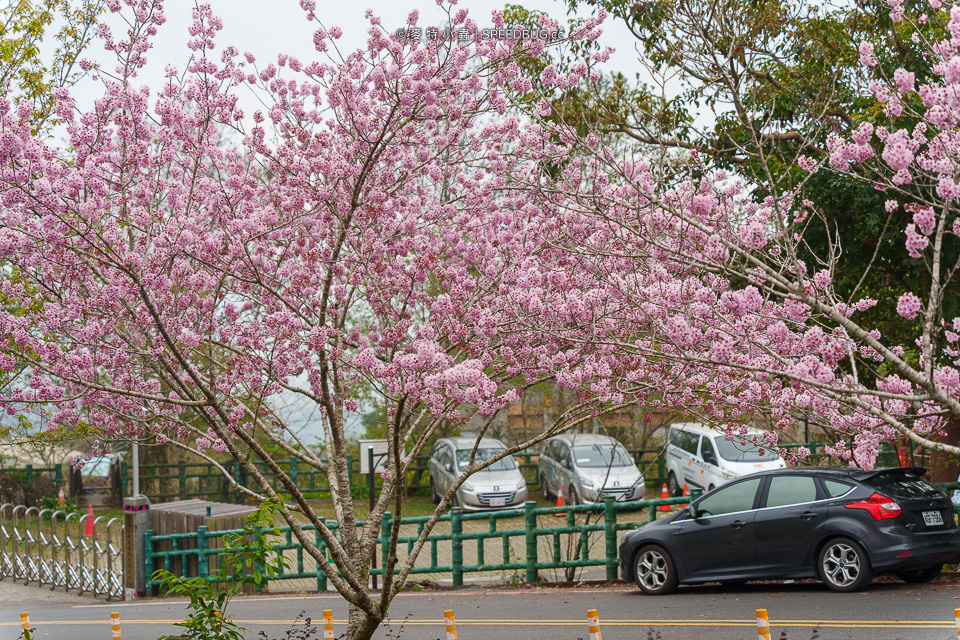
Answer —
723 307
168 286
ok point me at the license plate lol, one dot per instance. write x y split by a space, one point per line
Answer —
932 518
499 502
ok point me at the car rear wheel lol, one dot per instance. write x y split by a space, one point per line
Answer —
920 575
673 487
844 565
654 570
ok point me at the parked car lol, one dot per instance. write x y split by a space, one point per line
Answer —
498 486
588 468
701 457
840 525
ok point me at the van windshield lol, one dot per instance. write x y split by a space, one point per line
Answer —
599 455
503 464
739 450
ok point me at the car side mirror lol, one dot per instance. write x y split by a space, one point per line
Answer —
448 467
692 510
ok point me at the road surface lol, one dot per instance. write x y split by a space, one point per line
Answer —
890 610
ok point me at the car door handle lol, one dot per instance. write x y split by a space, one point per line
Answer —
808 515
736 524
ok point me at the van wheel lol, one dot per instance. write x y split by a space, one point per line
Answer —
673 487
434 497
574 496
654 570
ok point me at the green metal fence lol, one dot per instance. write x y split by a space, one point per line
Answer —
26 475
450 539
447 541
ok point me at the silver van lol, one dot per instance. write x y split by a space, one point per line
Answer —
499 486
588 468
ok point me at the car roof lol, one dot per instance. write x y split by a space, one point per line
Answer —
700 428
850 473
587 438
467 443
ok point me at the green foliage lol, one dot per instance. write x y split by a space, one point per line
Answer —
53 503
245 560
24 25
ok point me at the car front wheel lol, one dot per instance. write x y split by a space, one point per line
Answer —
919 576
544 490
654 570
844 565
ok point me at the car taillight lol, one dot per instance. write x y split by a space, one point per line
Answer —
880 507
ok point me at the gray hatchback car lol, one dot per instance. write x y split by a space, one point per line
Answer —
499 486
588 468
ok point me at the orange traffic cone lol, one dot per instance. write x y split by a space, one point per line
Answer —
560 502
61 499
686 492
89 530
664 495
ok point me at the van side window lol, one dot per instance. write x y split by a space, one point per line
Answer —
556 450
690 443
707 452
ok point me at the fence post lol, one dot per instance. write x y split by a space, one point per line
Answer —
123 479
322 547
58 475
238 478
182 478
456 531
530 528
29 473
293 469
661 470
148 559
610 533
203 560
350 472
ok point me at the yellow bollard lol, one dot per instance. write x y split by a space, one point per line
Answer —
451 625
594 621
25 624
327 624
763 625
115 622
956 614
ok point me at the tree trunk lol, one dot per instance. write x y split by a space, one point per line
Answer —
360 625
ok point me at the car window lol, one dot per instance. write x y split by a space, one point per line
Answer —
730 499
836 488
786 490
690 442
901 484
556 450
437 451
503 464
601 456
446 460
706 451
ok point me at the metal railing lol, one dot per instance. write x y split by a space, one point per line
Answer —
449 540
50 548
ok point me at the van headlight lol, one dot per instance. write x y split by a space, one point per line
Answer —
586 483
729 475
521 484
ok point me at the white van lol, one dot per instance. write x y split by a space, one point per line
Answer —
700 457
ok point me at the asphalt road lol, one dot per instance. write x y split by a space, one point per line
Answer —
890 610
